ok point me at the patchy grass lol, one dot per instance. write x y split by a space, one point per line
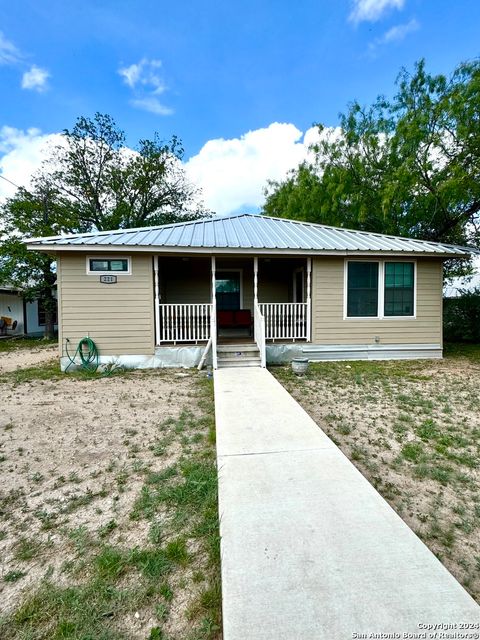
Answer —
14 344
109 507
413 429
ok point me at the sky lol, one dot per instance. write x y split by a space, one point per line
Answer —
241 84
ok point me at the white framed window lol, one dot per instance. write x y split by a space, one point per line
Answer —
101 265
380 289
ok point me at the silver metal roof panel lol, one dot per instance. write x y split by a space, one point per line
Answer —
251 232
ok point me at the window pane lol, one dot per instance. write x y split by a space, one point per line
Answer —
98 265
118 265
399 289
362 285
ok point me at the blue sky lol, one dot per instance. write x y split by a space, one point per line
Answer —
211 72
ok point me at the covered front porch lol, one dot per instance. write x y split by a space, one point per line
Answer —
218 300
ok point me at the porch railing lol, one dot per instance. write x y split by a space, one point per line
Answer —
185 322
259 328
285 320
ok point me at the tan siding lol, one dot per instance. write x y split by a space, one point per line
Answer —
330 327
118 317
59 305
185 281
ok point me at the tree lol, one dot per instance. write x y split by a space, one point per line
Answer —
32 214
113 187
91 180
406 166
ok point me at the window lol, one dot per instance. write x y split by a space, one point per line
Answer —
362 289
108 265
399 284
380 289
41 314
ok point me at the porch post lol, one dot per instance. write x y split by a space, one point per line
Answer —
255 280
309 299
157 301
213 320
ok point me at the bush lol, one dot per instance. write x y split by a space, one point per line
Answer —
461 317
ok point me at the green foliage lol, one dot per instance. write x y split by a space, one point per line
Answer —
111 187
408 166
91 181
461 317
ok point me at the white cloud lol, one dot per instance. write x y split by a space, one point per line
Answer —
399 32
144 73
35 78
151 104
21 155
146 83
233 173
372 10
394 35
9 54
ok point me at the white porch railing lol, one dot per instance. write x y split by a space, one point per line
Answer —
259 329
184 322
285 320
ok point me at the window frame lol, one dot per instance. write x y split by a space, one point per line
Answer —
381 289
109 273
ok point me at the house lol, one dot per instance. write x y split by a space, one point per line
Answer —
24 317
251 288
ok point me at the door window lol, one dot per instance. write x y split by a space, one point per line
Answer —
227 288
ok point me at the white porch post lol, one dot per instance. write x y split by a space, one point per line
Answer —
213 321
255 280
309 299
157 301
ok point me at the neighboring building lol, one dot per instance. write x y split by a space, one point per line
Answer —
28 316
259 289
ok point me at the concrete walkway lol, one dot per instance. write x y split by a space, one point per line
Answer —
310 551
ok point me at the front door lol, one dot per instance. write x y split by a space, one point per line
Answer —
299 285
227 289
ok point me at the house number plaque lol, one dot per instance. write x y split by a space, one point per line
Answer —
108 279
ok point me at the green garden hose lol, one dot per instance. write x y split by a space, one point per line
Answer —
87 352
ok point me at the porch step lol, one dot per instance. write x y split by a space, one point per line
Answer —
238 355
242 362
247 347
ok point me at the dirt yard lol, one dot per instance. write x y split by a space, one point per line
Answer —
108 486
413 429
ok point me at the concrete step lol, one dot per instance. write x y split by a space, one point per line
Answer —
234 348
224 364
234 358
238 354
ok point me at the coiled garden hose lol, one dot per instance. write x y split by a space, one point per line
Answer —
87 352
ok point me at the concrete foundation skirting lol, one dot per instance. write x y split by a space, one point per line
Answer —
189 356
283 353
185 357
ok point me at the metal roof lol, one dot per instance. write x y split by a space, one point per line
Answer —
247 232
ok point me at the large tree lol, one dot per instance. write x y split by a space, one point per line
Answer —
91 181
111 186
32 213
407 166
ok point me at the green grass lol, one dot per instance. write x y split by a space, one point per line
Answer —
15 344
460 350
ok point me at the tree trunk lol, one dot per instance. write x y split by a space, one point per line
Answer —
49 301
